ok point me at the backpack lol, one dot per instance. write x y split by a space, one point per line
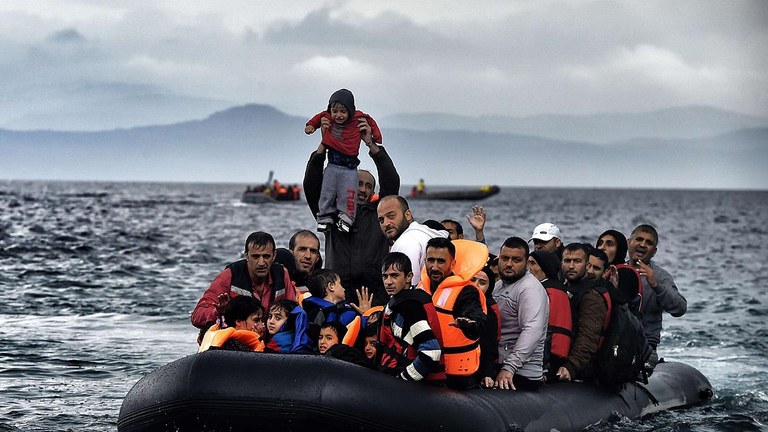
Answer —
622 357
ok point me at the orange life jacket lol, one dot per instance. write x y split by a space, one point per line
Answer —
462 355
354 327
216 338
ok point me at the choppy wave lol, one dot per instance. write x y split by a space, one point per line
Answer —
99 279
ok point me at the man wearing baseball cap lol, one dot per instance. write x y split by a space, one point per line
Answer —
547 236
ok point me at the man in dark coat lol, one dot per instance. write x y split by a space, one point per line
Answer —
357 255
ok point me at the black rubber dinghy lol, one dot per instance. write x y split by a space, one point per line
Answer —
243 391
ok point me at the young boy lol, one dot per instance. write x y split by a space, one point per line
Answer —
245 316
408 336
327 302
331 333
287 328
341 135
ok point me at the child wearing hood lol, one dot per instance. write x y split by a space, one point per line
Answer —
287 328
342 136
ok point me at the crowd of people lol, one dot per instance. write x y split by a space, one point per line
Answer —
418 301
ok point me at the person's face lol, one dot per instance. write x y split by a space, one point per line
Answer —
339 113
642 247
480 280
259 324
454 233
512 263
535 269
364 187
275 319
327 339
495 269
259 259
337 291
552 245
439 264
395 280
306 251
595 268
370 347
249 323
608 244
574 265
392 219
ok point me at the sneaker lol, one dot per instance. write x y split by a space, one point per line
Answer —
324 225
343 226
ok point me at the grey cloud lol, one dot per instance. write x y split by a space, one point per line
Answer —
388 31
66 36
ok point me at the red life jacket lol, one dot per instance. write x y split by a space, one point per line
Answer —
560 322
495 308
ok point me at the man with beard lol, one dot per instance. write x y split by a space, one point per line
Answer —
356 255
461 310
524 313
660 294
404 233
305 248
589 311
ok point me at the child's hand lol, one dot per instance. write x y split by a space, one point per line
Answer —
363 299
309 129
221 305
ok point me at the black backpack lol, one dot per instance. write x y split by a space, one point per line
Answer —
625 350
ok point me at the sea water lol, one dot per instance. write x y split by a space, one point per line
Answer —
98 281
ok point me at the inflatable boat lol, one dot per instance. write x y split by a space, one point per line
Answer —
457 195
244 391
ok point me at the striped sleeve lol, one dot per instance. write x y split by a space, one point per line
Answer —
417 333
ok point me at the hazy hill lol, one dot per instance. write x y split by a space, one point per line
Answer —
681 122
243 144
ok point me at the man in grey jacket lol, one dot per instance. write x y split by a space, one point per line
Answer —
660 294
524 313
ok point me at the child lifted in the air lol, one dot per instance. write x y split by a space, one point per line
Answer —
339 125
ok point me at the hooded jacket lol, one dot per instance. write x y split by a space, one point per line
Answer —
413 242
621 246
345 138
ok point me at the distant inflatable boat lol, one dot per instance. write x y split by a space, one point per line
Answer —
254 197
243 391
458 195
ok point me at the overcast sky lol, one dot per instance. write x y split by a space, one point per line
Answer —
96 64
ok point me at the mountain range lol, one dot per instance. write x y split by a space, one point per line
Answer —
685 147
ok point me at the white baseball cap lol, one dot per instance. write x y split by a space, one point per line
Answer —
546 232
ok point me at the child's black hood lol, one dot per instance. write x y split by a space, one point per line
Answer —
346 98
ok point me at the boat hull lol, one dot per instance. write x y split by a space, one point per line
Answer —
459 195
239 391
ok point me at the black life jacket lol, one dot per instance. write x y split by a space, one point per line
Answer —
243 285
623 355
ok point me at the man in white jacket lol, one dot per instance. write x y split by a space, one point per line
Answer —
405 234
